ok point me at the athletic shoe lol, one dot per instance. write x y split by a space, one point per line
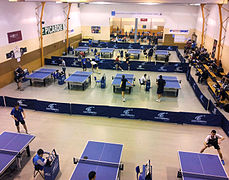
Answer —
158 100
223 162
123 99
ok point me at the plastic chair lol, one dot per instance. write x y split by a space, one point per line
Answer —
97 81
36 171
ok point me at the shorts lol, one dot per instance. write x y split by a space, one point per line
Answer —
84 66
123 88
117 64
216 145
21 121
160 91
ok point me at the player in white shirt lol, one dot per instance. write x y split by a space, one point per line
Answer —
213 139
143 79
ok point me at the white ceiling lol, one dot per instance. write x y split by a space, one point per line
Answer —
135 1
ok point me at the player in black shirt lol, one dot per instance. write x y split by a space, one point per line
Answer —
160 87
123 86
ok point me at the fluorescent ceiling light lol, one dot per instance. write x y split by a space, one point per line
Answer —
101 3
150 4
194 4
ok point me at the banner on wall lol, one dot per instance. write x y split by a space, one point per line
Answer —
52 29
171 31
214 48
14 36
96 29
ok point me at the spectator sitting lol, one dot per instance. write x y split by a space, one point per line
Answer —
203 77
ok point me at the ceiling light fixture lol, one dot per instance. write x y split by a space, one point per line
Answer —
194 4
149 4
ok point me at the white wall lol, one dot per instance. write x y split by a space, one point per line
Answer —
176 16
22 16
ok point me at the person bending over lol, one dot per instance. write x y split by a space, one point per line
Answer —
214 140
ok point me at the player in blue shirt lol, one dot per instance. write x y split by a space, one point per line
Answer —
84 63
18 115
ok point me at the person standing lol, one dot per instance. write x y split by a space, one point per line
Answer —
123 87
19 74
84 63
63 64
150 54
214 140
160 87
117 64
18 115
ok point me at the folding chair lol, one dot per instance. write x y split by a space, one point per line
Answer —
36 171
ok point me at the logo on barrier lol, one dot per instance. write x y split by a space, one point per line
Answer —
178 69
89 110
130 46
141 66
161 116
169 48
199 119
162 68
52 107
194 86
20 102
47 174
214 111
201 98
127 113
75 63
54 62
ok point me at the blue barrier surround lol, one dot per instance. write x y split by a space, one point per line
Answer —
134 65
121 112
2 101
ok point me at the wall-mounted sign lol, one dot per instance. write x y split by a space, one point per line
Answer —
52 29
143 19
135 14
112 13
178 31
143 26
14 36
95 29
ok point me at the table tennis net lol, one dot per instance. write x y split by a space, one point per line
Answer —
99 163
79 74
203 176
44 71
8 152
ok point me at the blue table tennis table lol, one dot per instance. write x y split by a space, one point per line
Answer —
162 53
135 52
117 81
172 84
79 78
41 75
109 51
82 49
197 166
12 145
103 158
